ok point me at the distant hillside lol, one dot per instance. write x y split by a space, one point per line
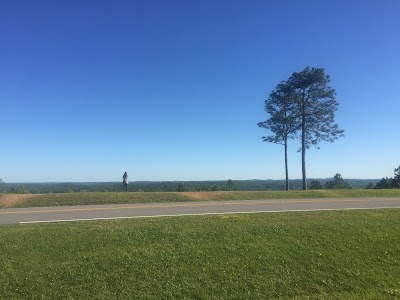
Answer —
170 186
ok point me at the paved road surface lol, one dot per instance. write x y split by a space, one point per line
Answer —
100 212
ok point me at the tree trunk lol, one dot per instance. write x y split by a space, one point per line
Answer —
303 149
286 166
303 162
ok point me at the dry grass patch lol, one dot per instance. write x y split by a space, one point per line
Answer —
13 200
204 195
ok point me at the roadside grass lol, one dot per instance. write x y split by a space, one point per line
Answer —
92 198
309 255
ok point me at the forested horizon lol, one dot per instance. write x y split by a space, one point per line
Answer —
173 186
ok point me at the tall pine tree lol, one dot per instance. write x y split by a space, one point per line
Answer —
315 110
280 106
305 104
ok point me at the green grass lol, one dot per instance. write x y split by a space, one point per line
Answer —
309 255
68 199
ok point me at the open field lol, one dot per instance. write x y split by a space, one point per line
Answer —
91 198
309 255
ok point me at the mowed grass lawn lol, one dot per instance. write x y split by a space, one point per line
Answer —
292 255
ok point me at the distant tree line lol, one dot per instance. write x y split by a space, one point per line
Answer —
2 189
184 186
144 186
390 183
337 183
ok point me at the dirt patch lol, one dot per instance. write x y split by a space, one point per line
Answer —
8 201
202 195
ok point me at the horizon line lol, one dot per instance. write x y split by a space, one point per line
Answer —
208 180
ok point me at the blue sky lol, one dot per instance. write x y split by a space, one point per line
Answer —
173 90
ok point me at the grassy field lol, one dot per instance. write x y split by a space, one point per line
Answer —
310 255
68 199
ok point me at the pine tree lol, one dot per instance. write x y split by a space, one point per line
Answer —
315 110
280 107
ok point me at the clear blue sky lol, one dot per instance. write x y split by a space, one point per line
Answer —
173 90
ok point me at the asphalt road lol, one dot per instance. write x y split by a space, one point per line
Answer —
104 212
